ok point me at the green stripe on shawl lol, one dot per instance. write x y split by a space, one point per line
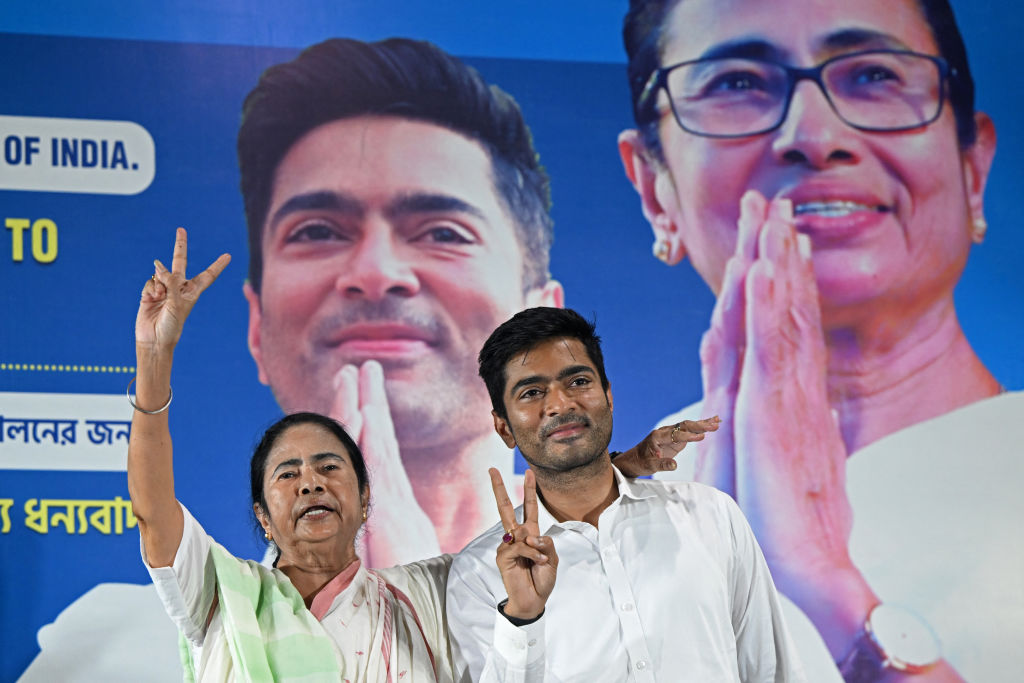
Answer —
185 654
270 633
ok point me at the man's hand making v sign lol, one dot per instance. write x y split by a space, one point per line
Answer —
527 561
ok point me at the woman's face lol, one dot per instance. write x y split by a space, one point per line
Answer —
889 214
312 493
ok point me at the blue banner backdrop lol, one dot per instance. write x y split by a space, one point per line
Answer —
72 262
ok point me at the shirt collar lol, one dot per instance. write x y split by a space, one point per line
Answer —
631 488
628 488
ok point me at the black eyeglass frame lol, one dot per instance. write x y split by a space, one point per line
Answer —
658 80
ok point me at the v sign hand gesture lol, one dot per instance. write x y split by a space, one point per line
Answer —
527 561
168 297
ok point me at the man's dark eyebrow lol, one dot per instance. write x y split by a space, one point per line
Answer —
525 381
576 370
322 200
425 202
540 379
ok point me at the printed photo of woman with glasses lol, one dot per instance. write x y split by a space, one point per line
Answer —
822 166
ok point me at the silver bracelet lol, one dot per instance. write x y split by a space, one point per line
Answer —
128 393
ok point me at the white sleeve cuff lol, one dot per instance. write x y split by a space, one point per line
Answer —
520 646
186 588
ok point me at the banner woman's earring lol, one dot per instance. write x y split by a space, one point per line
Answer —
660 250
980 228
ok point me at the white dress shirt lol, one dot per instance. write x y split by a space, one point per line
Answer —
670 586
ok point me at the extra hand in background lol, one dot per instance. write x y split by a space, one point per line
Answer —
400 530
657 452
781 455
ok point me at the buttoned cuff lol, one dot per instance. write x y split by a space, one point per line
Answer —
520 646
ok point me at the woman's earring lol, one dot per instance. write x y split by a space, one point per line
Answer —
980 228
267 536
660 250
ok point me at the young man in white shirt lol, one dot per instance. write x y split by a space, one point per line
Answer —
656 581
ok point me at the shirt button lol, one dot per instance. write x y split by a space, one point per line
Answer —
533 641
641 665
627 607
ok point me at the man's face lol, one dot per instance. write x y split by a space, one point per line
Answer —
888 214
558 414
385 240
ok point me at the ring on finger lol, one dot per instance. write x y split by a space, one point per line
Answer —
508 538
672 434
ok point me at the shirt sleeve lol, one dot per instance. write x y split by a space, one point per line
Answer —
486 647
424 583
765 651
187 588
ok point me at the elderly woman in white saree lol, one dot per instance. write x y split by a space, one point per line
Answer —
319 614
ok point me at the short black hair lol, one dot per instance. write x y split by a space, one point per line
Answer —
343 78
258 462
642 33
526 330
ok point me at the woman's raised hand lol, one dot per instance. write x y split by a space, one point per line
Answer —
168 296
657 452
167 299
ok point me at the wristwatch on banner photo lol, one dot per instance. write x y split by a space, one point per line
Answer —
893 639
